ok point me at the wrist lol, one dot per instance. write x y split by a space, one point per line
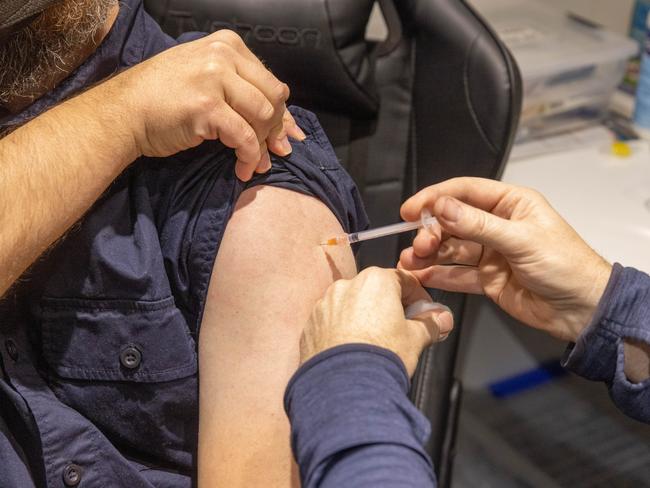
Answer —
599 279
594 291
123 115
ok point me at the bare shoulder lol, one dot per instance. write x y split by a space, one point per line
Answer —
277 231
269 273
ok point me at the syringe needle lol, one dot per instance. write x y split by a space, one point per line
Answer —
426 221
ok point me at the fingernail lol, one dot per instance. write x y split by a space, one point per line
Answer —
445 321
443 337
451 211
302 135
240 171
286 145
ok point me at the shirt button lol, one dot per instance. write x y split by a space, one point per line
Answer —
12 349
72 475
130 357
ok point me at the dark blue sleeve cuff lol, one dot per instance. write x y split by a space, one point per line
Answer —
622 313
352 399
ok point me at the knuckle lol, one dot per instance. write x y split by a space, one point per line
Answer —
372 271
221 49
205 103
336 292
229 36
378 276
214 68
280 93
535 195
337 286
203 131
445 250
526 193
481 224
266 112
248 136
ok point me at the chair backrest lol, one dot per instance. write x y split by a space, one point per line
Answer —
439 98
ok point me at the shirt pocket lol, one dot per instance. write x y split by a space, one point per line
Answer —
117 340
130 368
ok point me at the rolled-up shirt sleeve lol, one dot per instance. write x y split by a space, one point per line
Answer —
598 354
352 423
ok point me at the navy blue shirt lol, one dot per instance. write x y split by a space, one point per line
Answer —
623 313
353 425
98 341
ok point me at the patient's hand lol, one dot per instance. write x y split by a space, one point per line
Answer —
212 88
508 243
369 309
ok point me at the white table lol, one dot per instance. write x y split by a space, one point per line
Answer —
606 198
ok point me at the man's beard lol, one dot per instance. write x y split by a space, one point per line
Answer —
36 58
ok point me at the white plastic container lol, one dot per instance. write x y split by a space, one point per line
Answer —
570 69
642 106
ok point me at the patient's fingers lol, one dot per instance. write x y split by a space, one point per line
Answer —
249 102
235 132
464 279
291 127
276 92
277 139
265 163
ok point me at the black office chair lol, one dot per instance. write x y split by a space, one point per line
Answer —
439 98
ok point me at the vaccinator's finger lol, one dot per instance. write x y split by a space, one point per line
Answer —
408 260
426 243
464 279
459 251
467 222
478 192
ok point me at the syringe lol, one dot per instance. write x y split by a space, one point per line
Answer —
426 220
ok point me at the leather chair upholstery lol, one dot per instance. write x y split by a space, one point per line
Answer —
439 98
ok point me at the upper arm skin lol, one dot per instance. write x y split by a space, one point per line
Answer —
269 273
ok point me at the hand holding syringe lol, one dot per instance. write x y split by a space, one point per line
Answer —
425 221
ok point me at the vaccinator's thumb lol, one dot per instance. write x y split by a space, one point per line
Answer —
473 224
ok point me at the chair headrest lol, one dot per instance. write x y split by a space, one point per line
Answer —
317 46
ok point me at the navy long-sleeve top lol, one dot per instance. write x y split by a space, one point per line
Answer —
598 355
352 423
